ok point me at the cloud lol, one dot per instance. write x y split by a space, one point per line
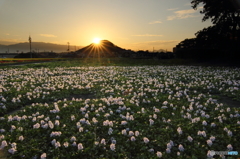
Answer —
182 14
48 35
155 22
147 35
159 42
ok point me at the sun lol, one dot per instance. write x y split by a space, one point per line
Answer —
96 40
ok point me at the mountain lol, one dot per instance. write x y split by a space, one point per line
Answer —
104 48
36 47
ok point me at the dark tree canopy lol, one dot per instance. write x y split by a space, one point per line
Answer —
222 39
219 12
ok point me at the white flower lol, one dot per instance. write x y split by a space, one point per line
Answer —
110 130
53 141
210 154
36 126
229 146
159 154
21 138
65 144
2 130
73 138
155 116
151 121
179 130
80 146
209 142
94 120
12 150
131 133
212 138
213 124
124 132
43 156
225 129
123 122
203 133
228 109
151 150
157 110
14 145
4 144
178 153
199 133
73 117
146 140
136 133
57 145
229 133
204 122
80 129
165 103
103 142
50 124
55 133
168 150
74 144
57 123
180 147
112 147
133 138
106 123
190 138
169 145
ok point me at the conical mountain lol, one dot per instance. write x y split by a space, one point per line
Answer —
104 49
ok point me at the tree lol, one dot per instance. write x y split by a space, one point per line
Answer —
221 12
222 39
225 32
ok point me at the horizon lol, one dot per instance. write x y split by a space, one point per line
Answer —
141 25
97 42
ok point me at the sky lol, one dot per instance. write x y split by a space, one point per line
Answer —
130 24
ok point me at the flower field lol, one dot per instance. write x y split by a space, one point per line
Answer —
118 112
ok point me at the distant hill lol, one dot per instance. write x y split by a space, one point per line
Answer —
104 48
36 47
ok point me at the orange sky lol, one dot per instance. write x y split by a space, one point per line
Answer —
130 24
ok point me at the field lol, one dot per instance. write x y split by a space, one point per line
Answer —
24 60
110 109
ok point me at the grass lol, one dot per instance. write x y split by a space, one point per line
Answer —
114 62
105 79
67 62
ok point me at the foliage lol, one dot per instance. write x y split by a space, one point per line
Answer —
223 37
219 11
137 112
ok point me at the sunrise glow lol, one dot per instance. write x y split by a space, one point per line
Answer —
96 40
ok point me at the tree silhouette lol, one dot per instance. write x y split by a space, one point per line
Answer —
222 40
222 13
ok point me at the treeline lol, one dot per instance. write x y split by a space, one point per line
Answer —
220 41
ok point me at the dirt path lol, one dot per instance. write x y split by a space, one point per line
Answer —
3 154
229 101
